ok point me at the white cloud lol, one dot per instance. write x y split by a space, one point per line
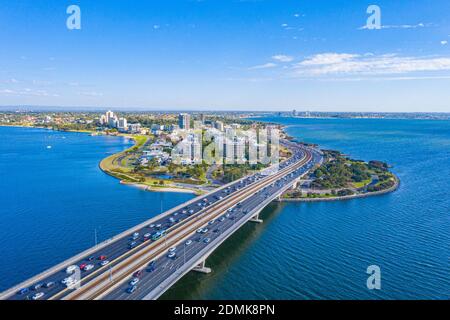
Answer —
264 66
28 92
402 26
344 64
91 94
444 42
327 58
282 58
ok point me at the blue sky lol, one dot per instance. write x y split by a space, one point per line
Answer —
227 55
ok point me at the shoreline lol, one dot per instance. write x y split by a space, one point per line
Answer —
199 192
349 197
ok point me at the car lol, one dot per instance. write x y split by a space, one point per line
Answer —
37 286
151 225
147 236
199 230
171 255
172 249
216 230
184 212
151 266
205 230
83 265
88 267
135 235
101 258
68 280
23 291
175 214
137 274
71 269
171 220
159 225
49 284
131 289
191 211
211 222
227 215
91 258
104 263
206 240
188 242
222 219
134 281
37 296
132 245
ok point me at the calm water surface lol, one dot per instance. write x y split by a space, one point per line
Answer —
52 199
322 250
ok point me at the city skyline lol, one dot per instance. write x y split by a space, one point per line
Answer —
235 55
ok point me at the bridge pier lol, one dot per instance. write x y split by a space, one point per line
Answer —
256 218
202 268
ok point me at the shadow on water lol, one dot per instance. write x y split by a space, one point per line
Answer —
193 285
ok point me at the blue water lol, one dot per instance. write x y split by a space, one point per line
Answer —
322 250
52 199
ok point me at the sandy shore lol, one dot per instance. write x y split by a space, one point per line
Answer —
158 189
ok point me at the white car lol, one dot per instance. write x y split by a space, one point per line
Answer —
172 249
88 267
188 242
67 280
134 281
37 296
151 225
71 269
171 255
199 230
104 263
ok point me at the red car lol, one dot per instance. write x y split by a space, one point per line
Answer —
137 274
83 265
101 258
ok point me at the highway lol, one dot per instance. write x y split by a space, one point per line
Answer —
229 206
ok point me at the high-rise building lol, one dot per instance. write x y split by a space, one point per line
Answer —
218 125
123 125
294 113
184 121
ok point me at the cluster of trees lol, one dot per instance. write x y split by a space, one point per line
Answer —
237 171
339 173
386 184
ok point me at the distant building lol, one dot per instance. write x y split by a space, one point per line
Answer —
294 113
218 125
202 118
134 127
184 121
122 126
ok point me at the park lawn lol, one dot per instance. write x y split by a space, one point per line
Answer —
107 164
361 184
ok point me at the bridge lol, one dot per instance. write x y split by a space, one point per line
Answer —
188 234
